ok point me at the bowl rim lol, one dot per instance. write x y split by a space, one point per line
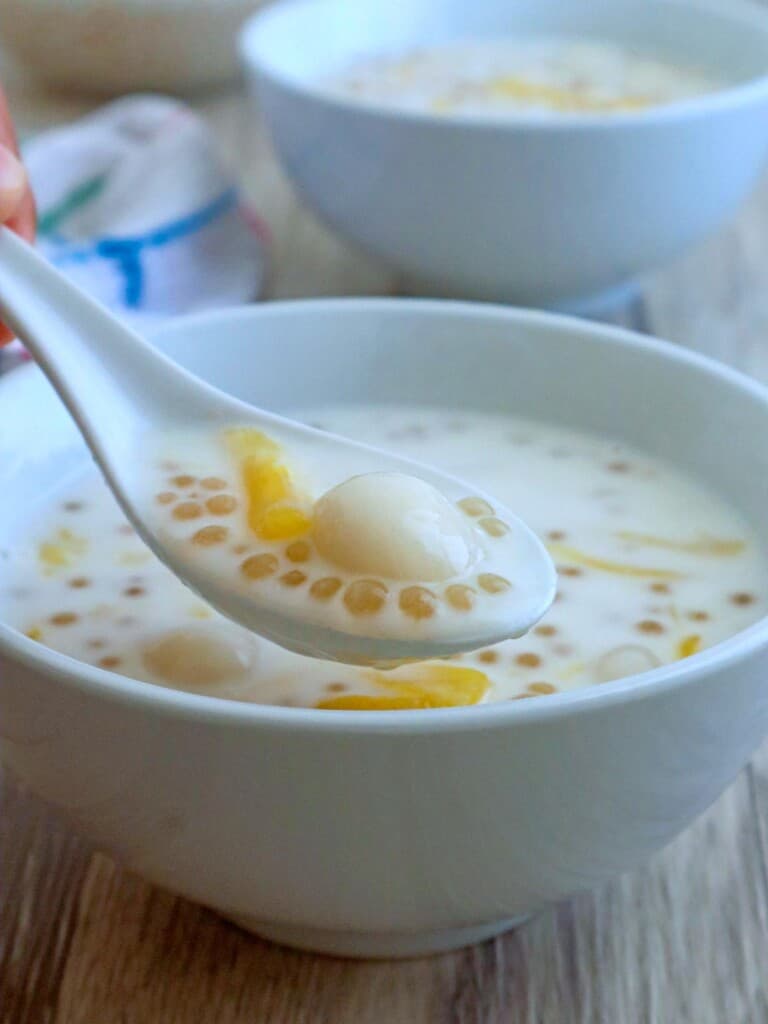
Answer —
116 689
743 13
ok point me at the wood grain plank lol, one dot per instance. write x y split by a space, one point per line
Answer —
42 865
140 955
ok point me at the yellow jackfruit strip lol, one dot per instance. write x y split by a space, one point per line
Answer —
282 522
565 553
271 499
431 686
265 484
689 645
514 88
704 545
62 550
244 442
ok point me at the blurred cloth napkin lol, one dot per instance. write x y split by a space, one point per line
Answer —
136 206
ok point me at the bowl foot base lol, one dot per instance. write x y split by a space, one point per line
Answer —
375 945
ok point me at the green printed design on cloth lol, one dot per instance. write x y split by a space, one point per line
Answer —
52 219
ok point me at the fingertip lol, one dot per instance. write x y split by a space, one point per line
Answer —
13 184
23 221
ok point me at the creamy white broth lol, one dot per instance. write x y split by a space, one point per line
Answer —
549 76
652 567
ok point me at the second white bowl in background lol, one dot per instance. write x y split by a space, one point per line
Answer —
549 211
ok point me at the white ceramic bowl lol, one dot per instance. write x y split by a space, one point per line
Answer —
547 212
116 46
403 832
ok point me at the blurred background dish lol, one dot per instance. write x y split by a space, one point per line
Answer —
559 209
113 46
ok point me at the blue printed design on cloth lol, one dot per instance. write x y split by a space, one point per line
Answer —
127 252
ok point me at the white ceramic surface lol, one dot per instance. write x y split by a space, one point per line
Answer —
397 833
548 212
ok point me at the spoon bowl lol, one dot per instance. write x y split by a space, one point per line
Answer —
125 396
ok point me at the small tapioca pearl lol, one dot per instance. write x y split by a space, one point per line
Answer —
299 551
336 688
126 621
183 480
542 688
493 527
742 599
475 507
493 584
545 630
165 497
34 633
210 535
79 582
239 549
570 570
259 566
125 530
111 661
563 650
97 645
63 619
187 510
221 504
649 626
618 467
417 602
72 506
213 483
660 588
134 591
488 657
556 535
698 616
365 597
294 578
324 589
460 597
528 660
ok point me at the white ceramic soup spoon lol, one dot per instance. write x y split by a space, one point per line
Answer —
408 562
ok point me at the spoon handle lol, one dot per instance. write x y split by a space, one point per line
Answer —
108 377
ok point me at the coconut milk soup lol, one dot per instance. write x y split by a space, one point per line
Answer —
548 76
652 568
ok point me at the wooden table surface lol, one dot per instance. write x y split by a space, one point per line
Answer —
681 942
